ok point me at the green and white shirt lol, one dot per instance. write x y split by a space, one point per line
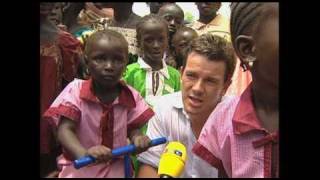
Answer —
151 83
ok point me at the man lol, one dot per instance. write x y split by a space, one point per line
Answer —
206 75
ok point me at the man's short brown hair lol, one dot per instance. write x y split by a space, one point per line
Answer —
215 48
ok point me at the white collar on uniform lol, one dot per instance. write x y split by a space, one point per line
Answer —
163 71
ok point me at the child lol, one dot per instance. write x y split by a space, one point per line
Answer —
124 21
59 59
97 115
180 41
240 137
174 15
150 75
212 22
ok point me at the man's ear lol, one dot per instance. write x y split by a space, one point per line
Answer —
181 69
245 49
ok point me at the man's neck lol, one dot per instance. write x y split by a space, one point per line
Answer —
197 123
207 19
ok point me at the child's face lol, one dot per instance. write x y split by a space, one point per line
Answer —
267 48
106 61
173 16
181 41
154 41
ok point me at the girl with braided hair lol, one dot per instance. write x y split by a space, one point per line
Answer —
240 137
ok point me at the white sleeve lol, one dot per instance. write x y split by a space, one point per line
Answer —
155 130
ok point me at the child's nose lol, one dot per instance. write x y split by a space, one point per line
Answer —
108 65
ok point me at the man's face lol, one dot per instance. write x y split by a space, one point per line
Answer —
208 8
203 84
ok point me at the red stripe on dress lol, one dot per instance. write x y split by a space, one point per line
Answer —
106 127
267 160
206 155
63 110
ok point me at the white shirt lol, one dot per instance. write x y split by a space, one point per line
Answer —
171 121
163 74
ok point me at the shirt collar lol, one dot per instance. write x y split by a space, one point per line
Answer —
245 118
177 101
147 67
125 97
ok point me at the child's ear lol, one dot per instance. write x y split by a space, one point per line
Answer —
245 49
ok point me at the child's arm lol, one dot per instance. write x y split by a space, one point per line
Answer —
139 140
67 137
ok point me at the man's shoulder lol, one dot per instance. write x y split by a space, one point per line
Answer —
170 99
167 103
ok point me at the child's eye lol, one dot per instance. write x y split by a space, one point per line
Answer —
162 39
168 18
98 59
149 40
182 45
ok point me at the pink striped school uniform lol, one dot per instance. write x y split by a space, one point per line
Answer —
98 123
233 140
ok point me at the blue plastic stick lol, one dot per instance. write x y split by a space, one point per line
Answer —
127 166
86 160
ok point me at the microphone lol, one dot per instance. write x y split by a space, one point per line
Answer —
86 160
172 161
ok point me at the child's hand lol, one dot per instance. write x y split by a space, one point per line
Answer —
101 153
141 142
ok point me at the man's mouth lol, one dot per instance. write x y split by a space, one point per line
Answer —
195 102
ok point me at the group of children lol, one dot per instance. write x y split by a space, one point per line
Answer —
112 103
